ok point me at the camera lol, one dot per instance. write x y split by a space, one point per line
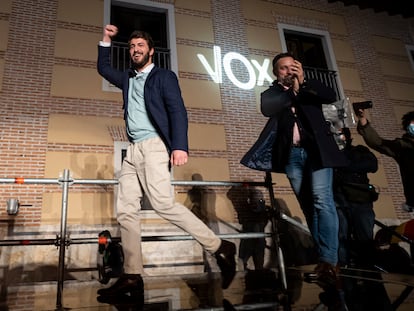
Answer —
361 105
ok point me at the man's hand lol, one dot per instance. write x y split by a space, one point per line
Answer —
297 71
362 117
109 32
179 157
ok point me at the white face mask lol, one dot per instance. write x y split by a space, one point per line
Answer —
410 129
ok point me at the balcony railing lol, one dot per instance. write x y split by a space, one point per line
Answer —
122 61
162 58
327 77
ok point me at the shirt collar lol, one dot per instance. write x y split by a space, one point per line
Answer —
146 69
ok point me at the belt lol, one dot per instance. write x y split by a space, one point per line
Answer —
296 146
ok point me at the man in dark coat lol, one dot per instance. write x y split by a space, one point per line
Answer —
297 141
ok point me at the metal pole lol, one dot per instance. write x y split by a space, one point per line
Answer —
275 217
174 182
250 235
63 241
295 223
29 242
62 238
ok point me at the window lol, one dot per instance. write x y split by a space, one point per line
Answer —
313 48
155 18
307 48
129 19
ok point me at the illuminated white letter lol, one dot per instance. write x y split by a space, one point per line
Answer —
227 68
215 74
262 71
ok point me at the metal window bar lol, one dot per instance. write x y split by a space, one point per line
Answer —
62 240
121 59
327 77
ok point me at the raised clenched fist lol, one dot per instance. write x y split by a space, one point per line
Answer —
109 32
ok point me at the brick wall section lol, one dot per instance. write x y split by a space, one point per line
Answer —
25 98
362 26
26 101
26 105
239 115
241 120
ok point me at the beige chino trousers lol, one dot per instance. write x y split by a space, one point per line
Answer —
145 169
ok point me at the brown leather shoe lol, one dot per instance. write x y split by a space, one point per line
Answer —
127 283
225 257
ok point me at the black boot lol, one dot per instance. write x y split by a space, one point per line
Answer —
124 302
225 257
127 283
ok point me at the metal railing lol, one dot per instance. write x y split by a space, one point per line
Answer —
327 77
122 60
62 240
162 58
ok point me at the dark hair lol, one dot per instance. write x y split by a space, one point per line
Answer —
406 119
279 56
144 35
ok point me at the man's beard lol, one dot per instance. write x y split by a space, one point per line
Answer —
139 65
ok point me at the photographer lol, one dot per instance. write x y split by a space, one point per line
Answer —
355 205
401 149
356 226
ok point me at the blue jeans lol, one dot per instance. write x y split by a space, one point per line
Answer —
356 231
313 189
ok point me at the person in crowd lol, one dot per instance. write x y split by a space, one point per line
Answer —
354 197
156 125
400 149
297 141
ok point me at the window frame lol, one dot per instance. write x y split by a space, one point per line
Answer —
324 36
148 6
410 52
326 42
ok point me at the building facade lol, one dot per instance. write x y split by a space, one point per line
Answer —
58 114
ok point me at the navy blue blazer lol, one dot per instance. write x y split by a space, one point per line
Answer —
162 95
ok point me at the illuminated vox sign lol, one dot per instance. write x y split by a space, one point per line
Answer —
216 73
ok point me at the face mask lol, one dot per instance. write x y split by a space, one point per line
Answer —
410 129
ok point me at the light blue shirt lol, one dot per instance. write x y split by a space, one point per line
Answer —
139 126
